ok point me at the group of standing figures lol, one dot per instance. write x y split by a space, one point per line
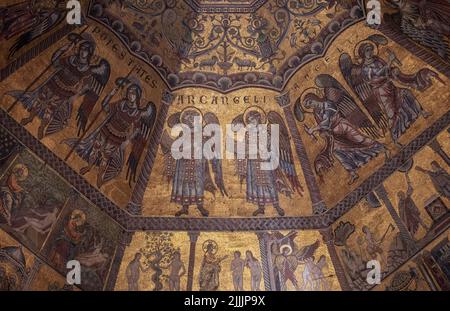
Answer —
246 273
126 120
176 270
191 178
209 274
211 267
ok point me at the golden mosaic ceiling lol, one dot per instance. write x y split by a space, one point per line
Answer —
228 49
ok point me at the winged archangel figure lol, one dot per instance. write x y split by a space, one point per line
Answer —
348 133
190 177
29 20
376 82
73 76
287 256
127 122
263 186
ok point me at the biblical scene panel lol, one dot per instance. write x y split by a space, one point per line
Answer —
427 271
167 261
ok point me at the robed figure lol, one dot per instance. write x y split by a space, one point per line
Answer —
376 82
263 185
349 135
191 176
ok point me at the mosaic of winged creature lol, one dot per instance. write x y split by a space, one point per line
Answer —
263 186
287 256
191 177
74 76
29 20
348 133
426 22
127 122
375 81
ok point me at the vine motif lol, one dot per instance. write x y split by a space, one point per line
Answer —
224 35
260 46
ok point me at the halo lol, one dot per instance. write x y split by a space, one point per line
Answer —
259 110
23 169
205 245
375 47
134 80
282 247
315 90
127 81
83 38
299 110
406 167
80 214
190 109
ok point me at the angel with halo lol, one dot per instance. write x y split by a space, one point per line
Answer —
73 76
263 186
209 276
348 133
377 84
287 256
127 121
190 176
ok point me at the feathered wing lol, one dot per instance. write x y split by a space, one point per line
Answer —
166 145
114 166
140 139
427 37
169 161
240 165
354 77
431 36
346 105
286 158
94 87
438 10
53 19
216 163
322 262
286 239
307 251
